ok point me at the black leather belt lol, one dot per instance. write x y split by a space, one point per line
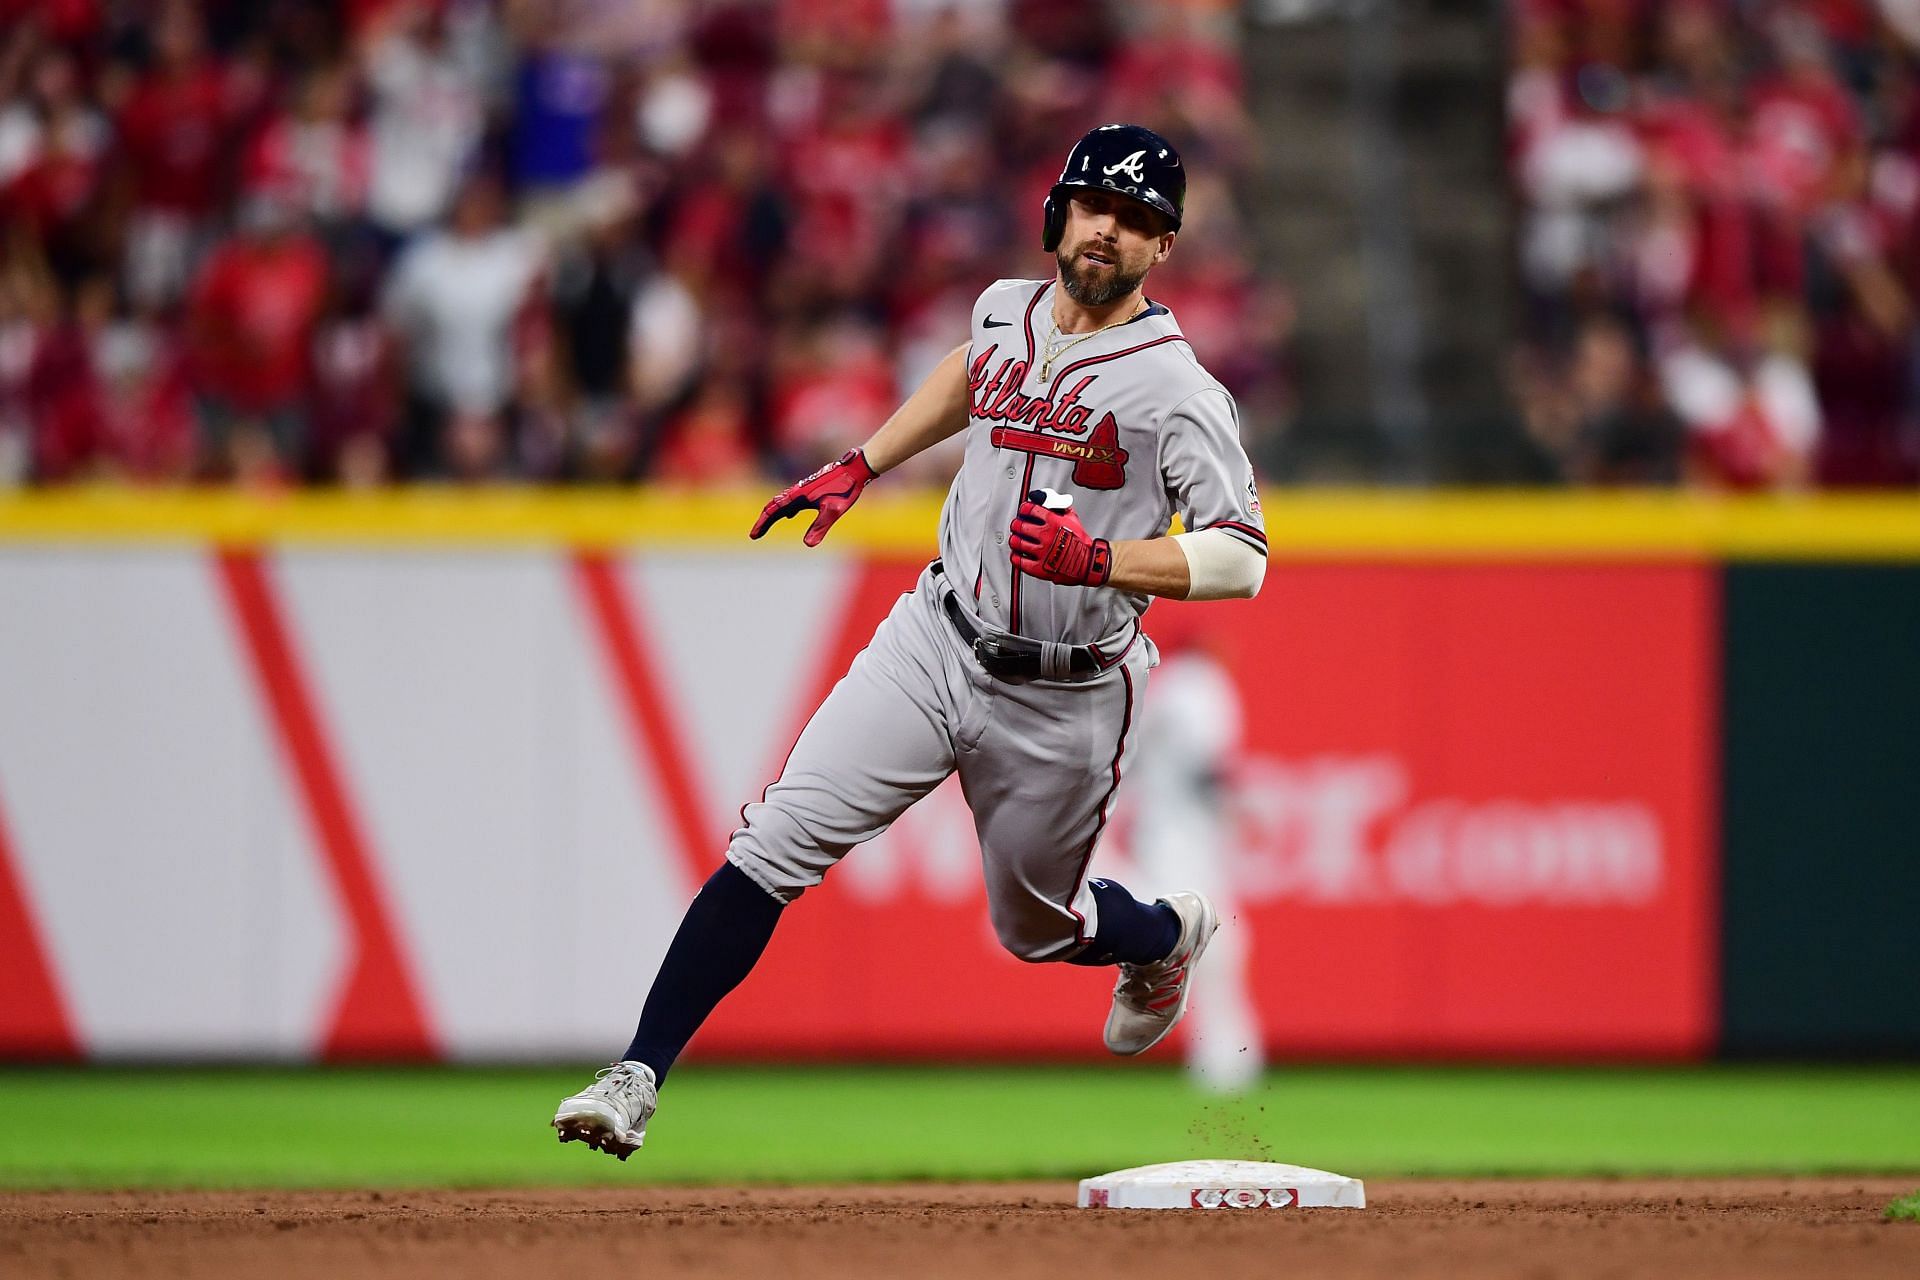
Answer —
1008 657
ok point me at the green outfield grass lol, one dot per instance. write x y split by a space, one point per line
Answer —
147 1127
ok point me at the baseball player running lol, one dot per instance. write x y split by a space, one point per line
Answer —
1017 660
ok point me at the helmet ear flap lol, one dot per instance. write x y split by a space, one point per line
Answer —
1054 225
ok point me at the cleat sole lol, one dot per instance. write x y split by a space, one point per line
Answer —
596 1136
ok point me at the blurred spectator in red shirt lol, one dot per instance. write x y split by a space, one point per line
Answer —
64 22
727 224
1075 31
708 444
315 155
49 99
1700 148
176 127
848 172
1864 333
832 387
177 117
52 143
1802 119
110 397
252 317
735 46
1752 416
833 33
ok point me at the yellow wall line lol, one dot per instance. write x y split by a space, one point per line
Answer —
1308 524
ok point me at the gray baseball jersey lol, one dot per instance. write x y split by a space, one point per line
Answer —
1125 420
1128 423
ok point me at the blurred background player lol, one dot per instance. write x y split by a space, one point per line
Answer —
1183 833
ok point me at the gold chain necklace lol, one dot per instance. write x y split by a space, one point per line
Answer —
1053 353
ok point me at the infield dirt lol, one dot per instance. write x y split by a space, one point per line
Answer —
1747 1228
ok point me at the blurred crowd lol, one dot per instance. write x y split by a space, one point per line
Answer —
702 242
1719 203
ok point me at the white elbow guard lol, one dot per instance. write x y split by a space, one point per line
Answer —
1220 566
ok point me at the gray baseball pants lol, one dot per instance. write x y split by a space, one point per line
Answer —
1039 763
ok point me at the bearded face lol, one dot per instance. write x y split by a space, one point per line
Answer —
1107 247
1093 277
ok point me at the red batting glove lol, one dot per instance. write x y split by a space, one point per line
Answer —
1054 545
830 491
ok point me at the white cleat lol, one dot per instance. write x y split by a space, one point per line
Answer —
611 1114
1150 998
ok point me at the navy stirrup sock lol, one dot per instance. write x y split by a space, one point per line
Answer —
720 939
1130 931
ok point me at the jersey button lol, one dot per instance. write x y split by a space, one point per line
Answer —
1009 473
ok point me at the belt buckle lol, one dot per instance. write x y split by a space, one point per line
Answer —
997 661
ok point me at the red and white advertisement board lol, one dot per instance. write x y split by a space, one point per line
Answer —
352 802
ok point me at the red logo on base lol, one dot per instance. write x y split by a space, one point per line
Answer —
1245 1198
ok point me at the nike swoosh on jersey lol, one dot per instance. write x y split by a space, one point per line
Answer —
991 323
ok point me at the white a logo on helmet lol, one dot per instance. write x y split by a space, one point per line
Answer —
1131 166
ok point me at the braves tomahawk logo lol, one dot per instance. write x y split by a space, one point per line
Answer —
1099 461
1132 166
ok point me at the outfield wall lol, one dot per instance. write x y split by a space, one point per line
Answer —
433 775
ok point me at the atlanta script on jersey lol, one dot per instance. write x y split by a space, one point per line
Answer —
1130 424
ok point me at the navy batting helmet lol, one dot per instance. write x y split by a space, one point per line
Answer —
1136 162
